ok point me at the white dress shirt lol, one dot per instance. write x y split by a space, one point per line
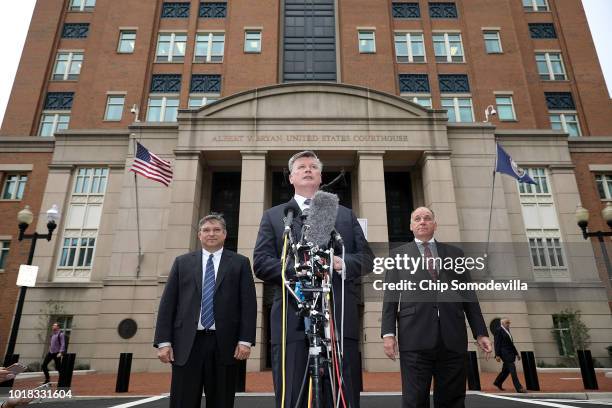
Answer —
216 261
434 253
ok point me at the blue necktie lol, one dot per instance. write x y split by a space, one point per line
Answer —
208 295
307 202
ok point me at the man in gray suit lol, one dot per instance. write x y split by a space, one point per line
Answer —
206 320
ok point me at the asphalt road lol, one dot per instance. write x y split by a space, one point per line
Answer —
367 401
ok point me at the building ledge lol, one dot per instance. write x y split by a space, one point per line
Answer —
34 144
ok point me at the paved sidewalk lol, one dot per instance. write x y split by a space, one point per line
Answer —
159 383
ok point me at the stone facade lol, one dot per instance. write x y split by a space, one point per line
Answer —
256 132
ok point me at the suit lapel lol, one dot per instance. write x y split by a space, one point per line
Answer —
224 266
198 273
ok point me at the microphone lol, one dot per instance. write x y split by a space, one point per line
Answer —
322 218
290 210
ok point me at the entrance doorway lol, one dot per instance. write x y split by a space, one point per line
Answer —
398 193
225 199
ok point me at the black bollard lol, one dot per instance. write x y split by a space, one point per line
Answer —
9 361
589 379
473 376
360 379
241 376
123 373
65 371
530 371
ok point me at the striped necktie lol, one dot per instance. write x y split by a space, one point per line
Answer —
208 295
429 260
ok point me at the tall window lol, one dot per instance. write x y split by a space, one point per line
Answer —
492 41
4 251
535 5
409 47
505 107
567 121
114 107
171 47
550 66
604 186
448 47
127 41
459 108
52 122
82 5
209 47
542 226
14 186
252 41
82 223
546 252
367 41
163 108
563 335
67 66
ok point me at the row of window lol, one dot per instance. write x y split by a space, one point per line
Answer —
181 9
83 217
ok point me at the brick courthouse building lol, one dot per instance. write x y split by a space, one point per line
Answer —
392 92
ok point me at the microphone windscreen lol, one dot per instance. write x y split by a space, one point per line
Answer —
322 218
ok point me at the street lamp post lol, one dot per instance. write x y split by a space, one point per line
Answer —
25 218
582 218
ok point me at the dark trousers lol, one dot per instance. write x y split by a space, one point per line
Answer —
295 366
203 370
447 368
508 369
56 360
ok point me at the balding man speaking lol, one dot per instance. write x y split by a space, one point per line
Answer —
432 340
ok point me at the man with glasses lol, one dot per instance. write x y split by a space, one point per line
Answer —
206 320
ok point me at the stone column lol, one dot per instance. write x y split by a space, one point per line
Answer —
373 207
252 198
185 208
439 191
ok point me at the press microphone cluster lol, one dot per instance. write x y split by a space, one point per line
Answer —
321 218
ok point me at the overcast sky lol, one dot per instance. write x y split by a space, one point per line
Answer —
15 20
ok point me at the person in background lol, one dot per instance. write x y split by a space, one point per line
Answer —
57 347
506 352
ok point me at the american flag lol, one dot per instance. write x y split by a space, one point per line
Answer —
151 166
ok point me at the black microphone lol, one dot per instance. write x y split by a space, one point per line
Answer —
322 218
290 210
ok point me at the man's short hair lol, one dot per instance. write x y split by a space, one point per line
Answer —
433 215
304 153
213 217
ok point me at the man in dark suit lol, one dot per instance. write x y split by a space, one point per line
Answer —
432 333
206 320
506 351
305 176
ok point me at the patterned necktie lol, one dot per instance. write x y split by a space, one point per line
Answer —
208 295
429 261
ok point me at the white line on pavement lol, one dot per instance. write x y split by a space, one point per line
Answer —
528 401
139 402
593 401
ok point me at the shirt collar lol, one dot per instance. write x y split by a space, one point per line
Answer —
419 242
300 200
206 254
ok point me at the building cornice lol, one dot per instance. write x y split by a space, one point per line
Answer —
29 144
590 144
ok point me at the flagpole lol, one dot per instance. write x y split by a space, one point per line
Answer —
490 215
137 215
